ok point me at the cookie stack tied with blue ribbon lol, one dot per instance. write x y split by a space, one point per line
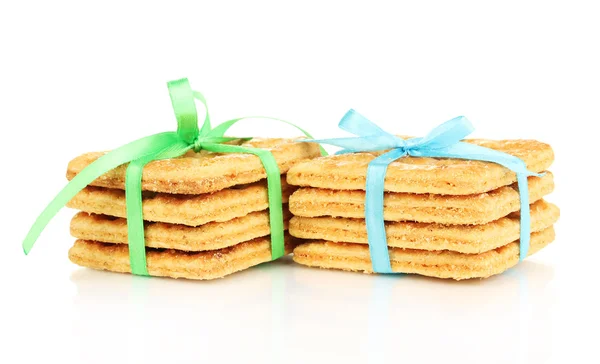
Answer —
187 204
438 206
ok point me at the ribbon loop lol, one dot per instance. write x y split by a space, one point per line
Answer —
184 107
355 123
448 133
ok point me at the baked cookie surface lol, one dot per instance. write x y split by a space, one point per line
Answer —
192 210
210 236
424 207
424 175
204 172
469 239
176 263
440 264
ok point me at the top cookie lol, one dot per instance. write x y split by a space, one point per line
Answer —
204 172
424 175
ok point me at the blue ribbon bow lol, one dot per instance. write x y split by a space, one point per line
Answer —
444 141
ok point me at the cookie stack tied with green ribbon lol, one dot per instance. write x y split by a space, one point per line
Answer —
188 204
438 206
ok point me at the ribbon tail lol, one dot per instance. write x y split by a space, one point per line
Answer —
222 128
345 151
133 200
378 247
273 188
96 169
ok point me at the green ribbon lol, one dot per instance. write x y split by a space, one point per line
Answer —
163 146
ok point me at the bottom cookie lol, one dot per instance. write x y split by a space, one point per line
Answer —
176 263
440 264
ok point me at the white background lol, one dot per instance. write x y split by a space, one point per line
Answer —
77 78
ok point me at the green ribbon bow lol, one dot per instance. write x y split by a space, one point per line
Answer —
164 146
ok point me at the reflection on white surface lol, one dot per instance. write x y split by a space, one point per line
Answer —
282 312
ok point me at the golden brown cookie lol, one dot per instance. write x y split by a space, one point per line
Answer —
424 175
470 239
204 172
444 209
211 236
440 264
175 263
192 210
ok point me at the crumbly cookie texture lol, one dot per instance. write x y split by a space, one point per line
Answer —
440 264
425 207
210 236
424 175
468 239
204 172
192 210
175 263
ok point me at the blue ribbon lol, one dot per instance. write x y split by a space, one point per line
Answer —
444 141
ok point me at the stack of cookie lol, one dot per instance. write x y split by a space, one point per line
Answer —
206 214
444 218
